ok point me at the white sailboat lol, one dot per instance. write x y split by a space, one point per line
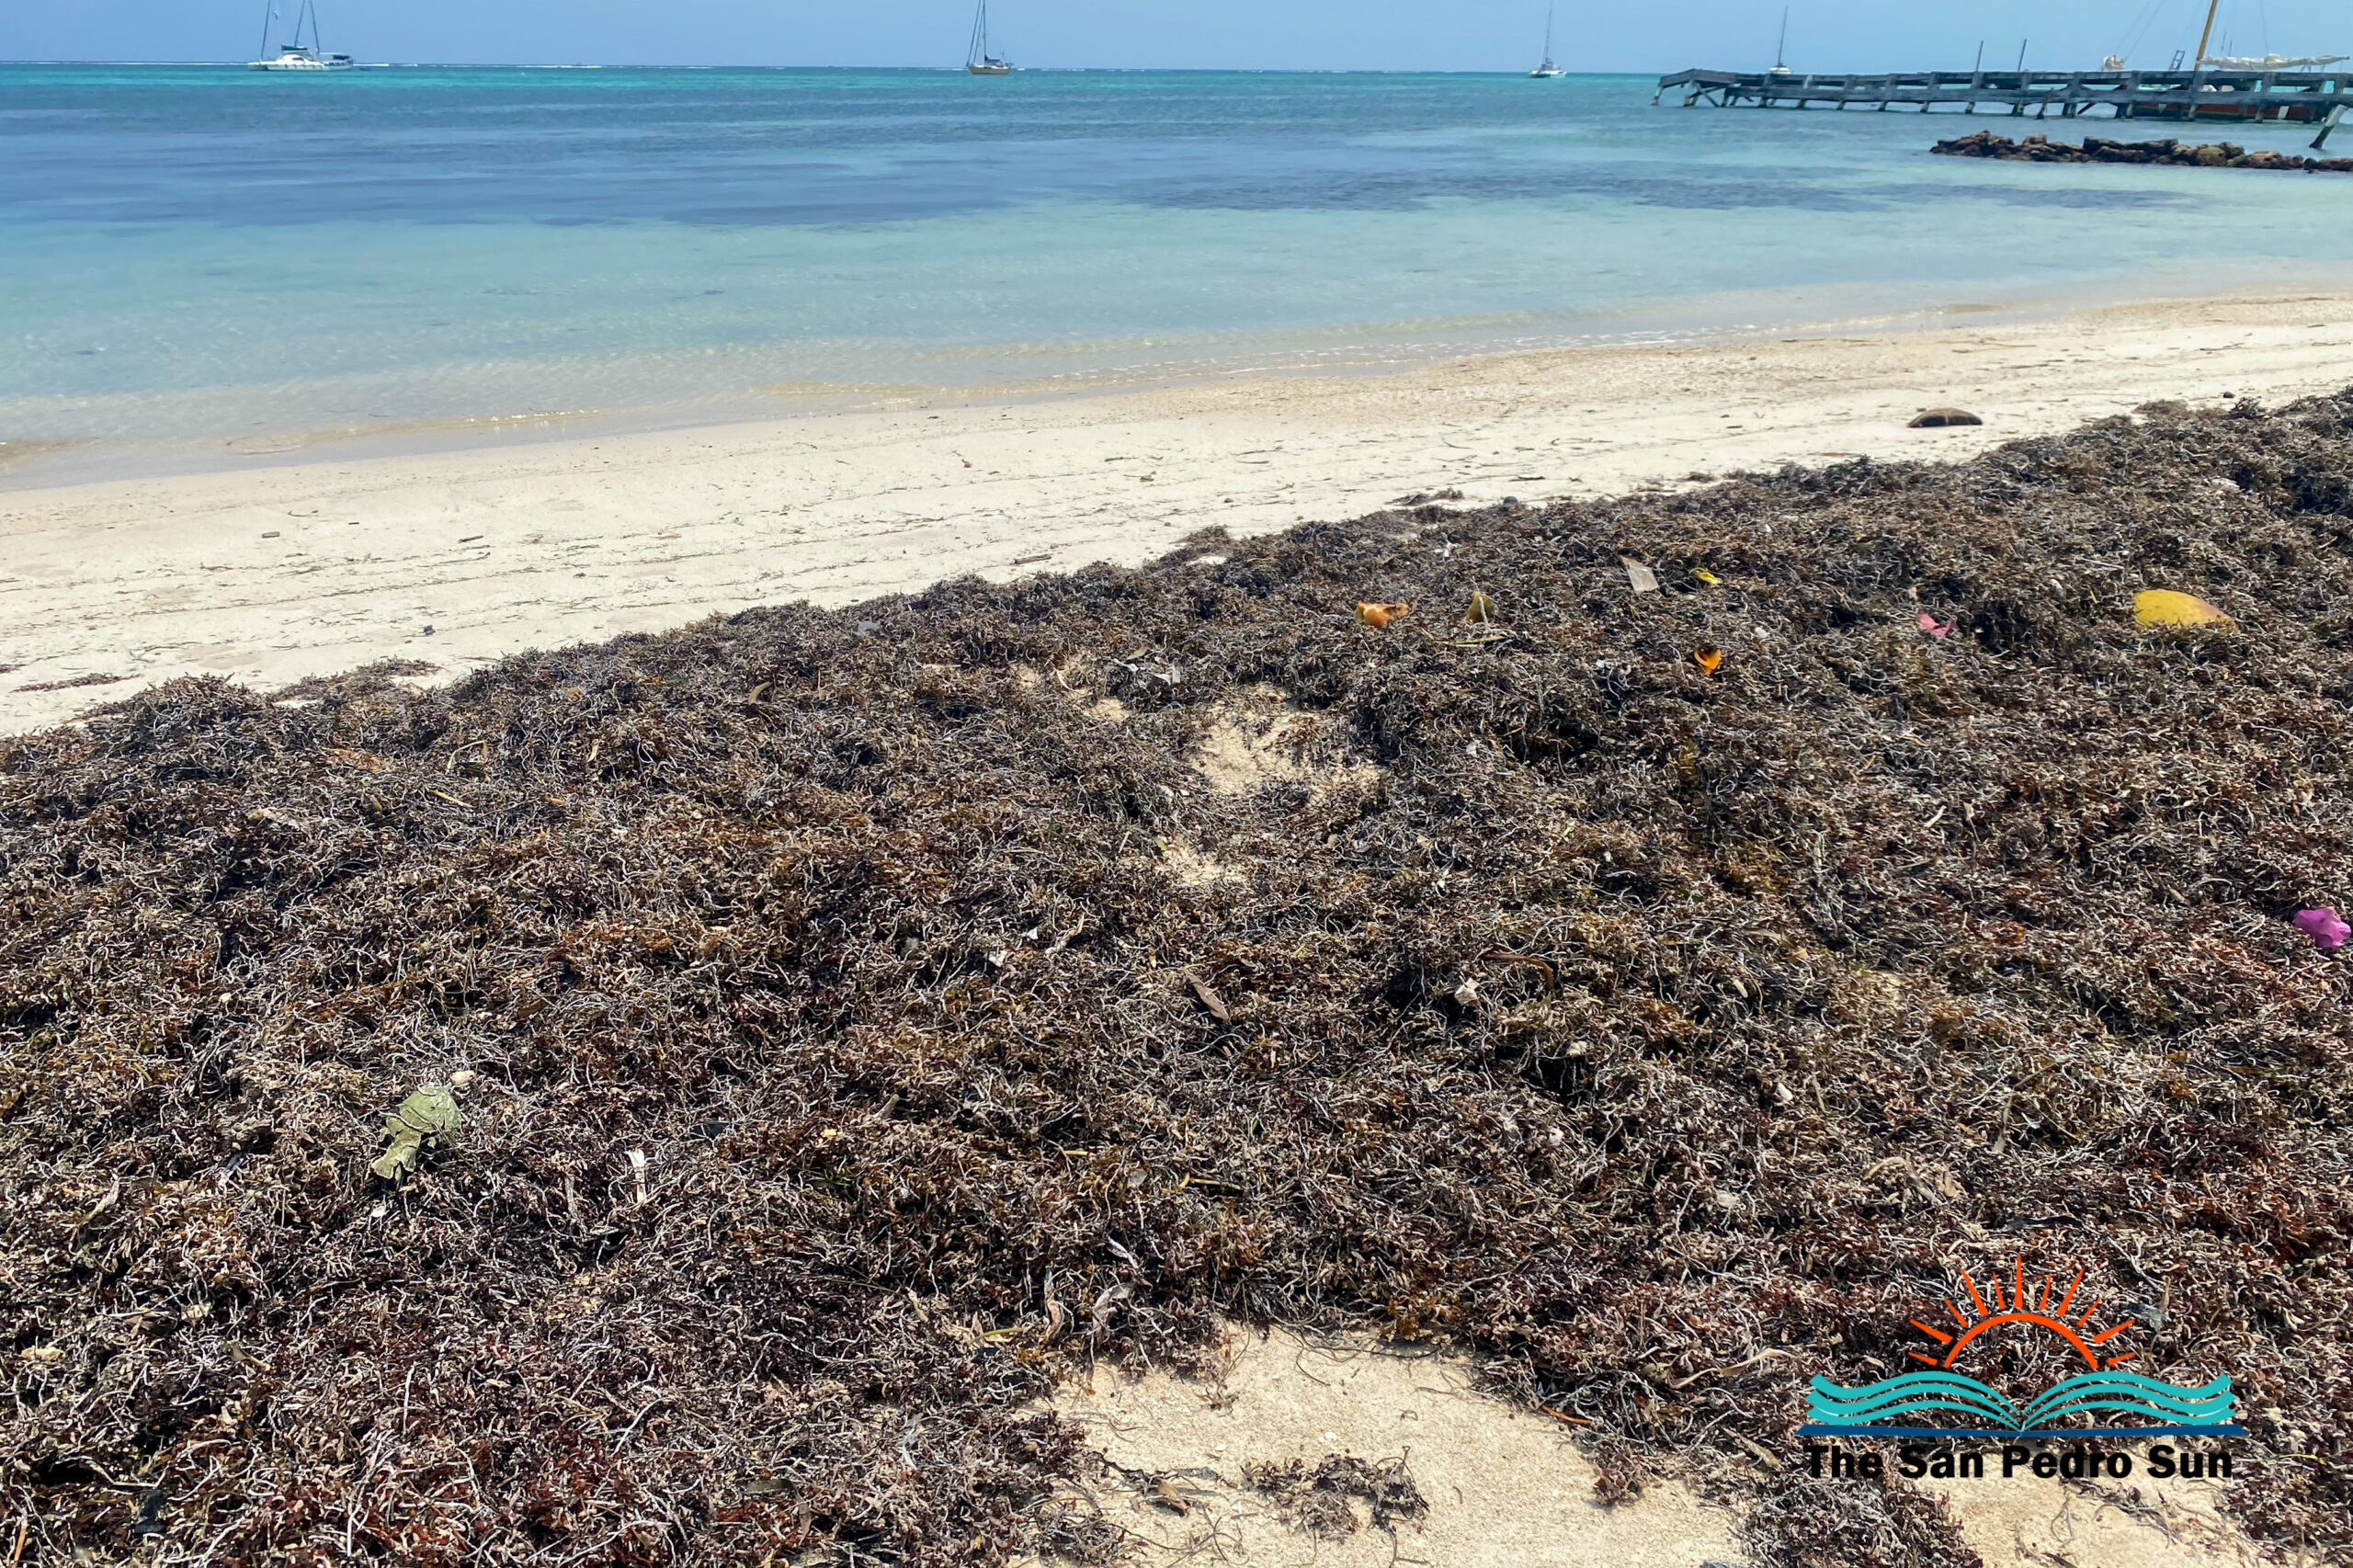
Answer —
1548 68
296 55
977 58
1781 49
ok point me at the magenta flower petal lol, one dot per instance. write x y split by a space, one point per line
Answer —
2327 932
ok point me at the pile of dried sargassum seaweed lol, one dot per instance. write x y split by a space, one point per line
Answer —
812 1030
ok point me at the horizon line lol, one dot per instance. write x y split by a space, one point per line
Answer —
955 68
951 68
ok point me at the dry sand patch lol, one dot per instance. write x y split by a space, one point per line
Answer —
1503 1484
1193 869
1262 739
1185 1462
1236 755
2136 1523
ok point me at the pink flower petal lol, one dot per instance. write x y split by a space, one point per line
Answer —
2328 932
1936 629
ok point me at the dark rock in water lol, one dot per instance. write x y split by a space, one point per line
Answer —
1939 418
2095 150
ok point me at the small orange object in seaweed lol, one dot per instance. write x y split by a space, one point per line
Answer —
1708 659
1378 616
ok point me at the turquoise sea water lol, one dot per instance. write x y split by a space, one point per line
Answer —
194 253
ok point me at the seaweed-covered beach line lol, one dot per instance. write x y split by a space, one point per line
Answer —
318 554
862 1019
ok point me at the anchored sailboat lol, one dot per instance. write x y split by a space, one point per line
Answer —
2208 36
977 58
2250 62
2268 63
1548 68
296 56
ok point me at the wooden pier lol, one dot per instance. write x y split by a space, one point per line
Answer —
2241 98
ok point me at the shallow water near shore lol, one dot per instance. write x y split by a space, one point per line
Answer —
210 260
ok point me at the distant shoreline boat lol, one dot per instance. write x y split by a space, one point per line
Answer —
296 55
1548 69
291 57
977 58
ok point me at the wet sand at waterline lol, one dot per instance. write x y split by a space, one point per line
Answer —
269 575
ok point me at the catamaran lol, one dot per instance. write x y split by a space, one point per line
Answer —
1548 68
977 58
296 56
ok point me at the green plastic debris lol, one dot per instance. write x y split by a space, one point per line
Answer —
424 1115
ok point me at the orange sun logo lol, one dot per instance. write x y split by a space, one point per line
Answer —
2040 1312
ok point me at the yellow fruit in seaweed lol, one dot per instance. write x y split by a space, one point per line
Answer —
2162 607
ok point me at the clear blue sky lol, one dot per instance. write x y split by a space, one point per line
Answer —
1445 35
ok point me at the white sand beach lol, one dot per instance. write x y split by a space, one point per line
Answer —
269 574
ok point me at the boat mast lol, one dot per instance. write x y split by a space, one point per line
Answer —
268 14
1781 49
2207 37
979 48
1548 35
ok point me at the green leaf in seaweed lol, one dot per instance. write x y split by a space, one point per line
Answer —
422 1118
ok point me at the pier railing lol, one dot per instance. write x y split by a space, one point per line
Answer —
2240 96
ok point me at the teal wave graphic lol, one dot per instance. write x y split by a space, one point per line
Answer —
1830 1403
